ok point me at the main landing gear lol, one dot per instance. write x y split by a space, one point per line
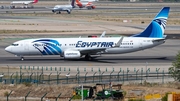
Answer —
57 12
69 12
88 57
22 58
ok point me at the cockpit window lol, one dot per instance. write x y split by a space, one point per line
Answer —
15 44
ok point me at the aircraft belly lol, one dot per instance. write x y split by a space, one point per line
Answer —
120 50
34 52
153 44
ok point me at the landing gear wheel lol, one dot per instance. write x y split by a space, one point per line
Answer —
88 57
69 12
22 58
89 8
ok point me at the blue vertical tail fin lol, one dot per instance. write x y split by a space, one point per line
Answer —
157 26
72 3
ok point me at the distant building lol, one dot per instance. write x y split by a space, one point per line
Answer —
132 0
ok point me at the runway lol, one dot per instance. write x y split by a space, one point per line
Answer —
100 6
43 10
158 57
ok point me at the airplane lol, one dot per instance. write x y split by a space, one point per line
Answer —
58 8
95 36
88 5
103 34
76 48
26 3
89 0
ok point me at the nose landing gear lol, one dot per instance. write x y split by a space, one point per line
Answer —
22 58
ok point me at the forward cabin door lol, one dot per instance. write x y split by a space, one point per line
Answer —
26 48
140 43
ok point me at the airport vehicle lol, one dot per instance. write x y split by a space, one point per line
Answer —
88 91
88 5
99 91
25 4
2 7
58 8
76 48
113 91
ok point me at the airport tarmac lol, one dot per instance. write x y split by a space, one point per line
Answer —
113 19
158 57
80 20
119 10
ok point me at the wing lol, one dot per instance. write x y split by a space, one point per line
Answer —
103 34
94 51
68 10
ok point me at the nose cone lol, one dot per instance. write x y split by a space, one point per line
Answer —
8 49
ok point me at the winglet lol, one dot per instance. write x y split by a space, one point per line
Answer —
103 34
119 42
35 1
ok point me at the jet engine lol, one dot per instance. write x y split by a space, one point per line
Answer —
72 54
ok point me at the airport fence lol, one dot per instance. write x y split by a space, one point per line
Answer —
124 0
58 75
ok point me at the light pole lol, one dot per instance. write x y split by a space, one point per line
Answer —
68 75
82 92
1 76
146 65
146 69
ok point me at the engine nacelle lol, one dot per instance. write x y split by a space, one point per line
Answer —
72 54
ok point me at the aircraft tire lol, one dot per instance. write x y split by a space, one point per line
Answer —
68 12
22 58
88 57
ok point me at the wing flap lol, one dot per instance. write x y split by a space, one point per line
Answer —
99 50
92 51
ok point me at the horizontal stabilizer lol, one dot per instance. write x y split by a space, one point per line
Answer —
157 40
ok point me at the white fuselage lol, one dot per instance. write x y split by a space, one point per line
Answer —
62 8
22 2
89 0
57 46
